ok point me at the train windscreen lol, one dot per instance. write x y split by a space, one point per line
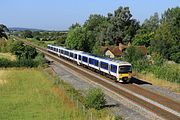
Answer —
125 69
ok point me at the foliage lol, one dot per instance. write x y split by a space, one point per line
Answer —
150 25
147 31
40 59
95 99
76 39
123 27
96 49
5 63
74 26
157 59
61 40
166 72
3 29
143 39
167 38
23 51
136 57
27 34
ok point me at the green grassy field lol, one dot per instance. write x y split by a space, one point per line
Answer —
27 94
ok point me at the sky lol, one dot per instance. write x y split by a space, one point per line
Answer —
61 14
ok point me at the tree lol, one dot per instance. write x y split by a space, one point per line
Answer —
27 34
143 39
93 26
150 25
3 29
167 39
95 99
123 27
76 39
147 31
74 26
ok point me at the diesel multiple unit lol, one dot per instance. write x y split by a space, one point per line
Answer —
119 70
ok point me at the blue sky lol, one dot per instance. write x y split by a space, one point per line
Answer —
60 14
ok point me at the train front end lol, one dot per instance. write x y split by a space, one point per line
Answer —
125 73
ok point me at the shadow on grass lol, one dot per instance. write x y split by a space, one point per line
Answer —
139 82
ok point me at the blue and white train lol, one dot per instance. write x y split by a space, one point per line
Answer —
120 70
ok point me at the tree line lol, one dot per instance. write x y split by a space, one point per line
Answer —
159 34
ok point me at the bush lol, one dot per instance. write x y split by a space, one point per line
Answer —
39 59
23 51
4 63
95 99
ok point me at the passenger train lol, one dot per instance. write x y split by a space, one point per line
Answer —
119 70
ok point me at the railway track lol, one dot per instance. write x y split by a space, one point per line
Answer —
162 106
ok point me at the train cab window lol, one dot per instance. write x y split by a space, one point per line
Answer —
125 69
75 56
84 59
104 65
79 57
71 55
113 68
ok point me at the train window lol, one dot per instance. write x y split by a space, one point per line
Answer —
62 51
67 53
104 65
91 61
96 62
56 50
71 55
84 59
75 56
79 57
59 50
113 68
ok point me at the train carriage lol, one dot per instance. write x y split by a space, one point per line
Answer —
120 70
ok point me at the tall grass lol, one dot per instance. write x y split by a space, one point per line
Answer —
29 94
168 72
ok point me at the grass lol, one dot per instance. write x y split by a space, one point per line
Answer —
102 114
8 56
149 77
49 42
29 94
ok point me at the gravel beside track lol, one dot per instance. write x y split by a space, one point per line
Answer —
162 91
78 83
